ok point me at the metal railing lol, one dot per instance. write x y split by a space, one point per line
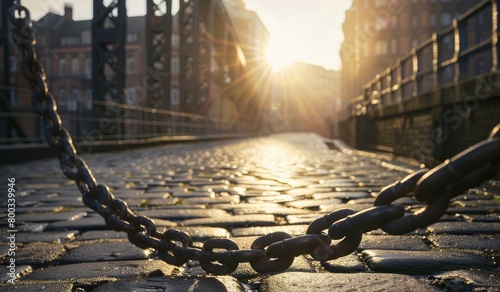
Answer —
121 122
454 54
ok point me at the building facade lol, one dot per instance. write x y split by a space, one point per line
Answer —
379 32
254 38
65 50
308 96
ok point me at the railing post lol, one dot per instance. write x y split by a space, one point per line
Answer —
388 87
158 32
109 27
414 82
378 89
460 45
494 34
399 95
435 60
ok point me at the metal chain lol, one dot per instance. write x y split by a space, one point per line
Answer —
274 252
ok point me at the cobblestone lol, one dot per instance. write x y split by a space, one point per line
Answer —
477 242
348 264
45 236
99 271
344 282
105 251
175 284
418 262
86 223
50 217
392 242
242 189
37 253
465 228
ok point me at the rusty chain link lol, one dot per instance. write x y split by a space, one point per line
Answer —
274 252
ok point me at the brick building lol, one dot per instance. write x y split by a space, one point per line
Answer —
379 32
64 48
254 38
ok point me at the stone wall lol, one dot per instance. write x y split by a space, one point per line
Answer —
432 127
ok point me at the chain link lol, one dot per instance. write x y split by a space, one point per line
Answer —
274 252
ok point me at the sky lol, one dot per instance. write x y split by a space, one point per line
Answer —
308 31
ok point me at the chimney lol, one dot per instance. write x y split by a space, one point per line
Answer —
68 12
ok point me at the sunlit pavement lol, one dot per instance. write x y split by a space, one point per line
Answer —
241 189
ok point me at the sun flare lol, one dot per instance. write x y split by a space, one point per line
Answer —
279 57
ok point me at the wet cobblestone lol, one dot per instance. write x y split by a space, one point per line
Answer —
242 189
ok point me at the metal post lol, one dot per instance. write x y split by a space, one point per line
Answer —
108 63
399 79
4 36
11 123
436 62
188 48
158 54
460 45
494 34
414 82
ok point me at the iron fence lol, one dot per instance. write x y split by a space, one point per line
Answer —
457 53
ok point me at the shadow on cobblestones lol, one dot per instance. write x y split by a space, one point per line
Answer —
242 189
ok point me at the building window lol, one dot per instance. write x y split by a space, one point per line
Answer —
131 37
131 95
394 47
175 40
88 99
130 64
174 97
75 66
394 21
175 65
414 43
383 22
62 67
480 18
86 37
73 101
14 98
447 43
70 41
446 19
88 67
13 63
381 48
62 97
432 20
479 37
367 50
480 68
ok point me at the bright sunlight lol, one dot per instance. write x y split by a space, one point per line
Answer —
279 57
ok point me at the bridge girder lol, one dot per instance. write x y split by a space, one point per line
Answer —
109 27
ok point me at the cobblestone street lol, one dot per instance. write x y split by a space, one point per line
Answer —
241 189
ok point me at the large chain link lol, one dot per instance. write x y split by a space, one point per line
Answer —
274 252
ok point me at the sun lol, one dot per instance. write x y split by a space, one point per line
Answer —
279 57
